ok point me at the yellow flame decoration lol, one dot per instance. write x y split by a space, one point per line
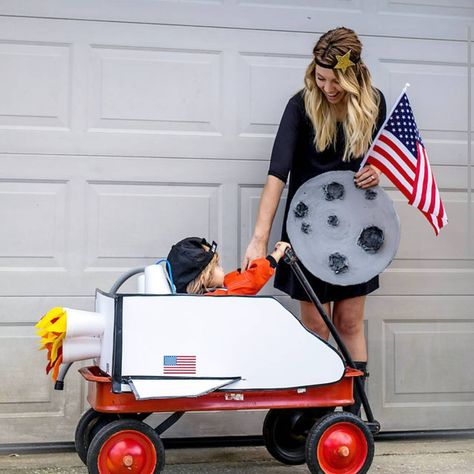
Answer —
51 328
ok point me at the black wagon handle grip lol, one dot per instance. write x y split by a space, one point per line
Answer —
290 256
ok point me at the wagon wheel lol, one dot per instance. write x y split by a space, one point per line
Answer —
126 446
285 431
340 443
89 424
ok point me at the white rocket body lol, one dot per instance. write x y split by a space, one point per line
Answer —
235 342
162 345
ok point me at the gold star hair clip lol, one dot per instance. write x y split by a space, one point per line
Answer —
343 62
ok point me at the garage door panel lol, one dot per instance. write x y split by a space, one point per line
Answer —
424 354
471 110
457 7
455 243
33 215
426 281
353 5
261 106
471 213
447 147
163 90
141 220
452 80
38 73
422 371
19 345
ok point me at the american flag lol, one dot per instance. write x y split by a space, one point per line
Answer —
399 153
179 364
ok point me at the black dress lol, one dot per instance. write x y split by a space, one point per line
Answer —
294 154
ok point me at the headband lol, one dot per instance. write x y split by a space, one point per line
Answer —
341 62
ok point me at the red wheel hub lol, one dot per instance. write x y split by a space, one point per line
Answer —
342 449
127 452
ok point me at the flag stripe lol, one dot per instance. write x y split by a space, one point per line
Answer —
392 147
421 184
429 184
392 160
392 142
434 195
387 160
392 156
393 178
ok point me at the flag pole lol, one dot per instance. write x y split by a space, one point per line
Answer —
407 85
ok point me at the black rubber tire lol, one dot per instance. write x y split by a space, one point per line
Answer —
358 430
285 431
89 424
114 429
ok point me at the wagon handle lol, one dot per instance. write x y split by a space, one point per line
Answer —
291 259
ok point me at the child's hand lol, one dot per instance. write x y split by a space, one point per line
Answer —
279 250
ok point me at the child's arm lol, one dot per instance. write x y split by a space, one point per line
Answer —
252 280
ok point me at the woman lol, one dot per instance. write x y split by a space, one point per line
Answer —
327 126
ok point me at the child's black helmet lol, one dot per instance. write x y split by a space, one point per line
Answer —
188 259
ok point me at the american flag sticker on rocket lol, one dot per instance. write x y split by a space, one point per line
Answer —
179 365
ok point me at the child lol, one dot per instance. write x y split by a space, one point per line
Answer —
196 270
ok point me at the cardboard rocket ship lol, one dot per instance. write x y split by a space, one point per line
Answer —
162 346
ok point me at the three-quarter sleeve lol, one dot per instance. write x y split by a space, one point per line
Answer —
286 139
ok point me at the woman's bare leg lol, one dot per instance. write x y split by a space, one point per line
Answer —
312 319
348 317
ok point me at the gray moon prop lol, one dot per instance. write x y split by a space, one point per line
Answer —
342 234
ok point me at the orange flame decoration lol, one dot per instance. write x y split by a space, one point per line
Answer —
52 330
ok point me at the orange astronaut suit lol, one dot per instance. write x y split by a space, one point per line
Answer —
248 282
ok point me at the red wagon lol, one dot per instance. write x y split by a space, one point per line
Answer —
302 424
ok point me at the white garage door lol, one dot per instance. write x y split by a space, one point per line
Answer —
127 125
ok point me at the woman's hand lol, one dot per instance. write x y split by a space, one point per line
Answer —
367 177
256 249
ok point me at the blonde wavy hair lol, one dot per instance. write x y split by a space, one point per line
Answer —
201 284
361 98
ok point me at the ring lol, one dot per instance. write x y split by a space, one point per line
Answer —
372 177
